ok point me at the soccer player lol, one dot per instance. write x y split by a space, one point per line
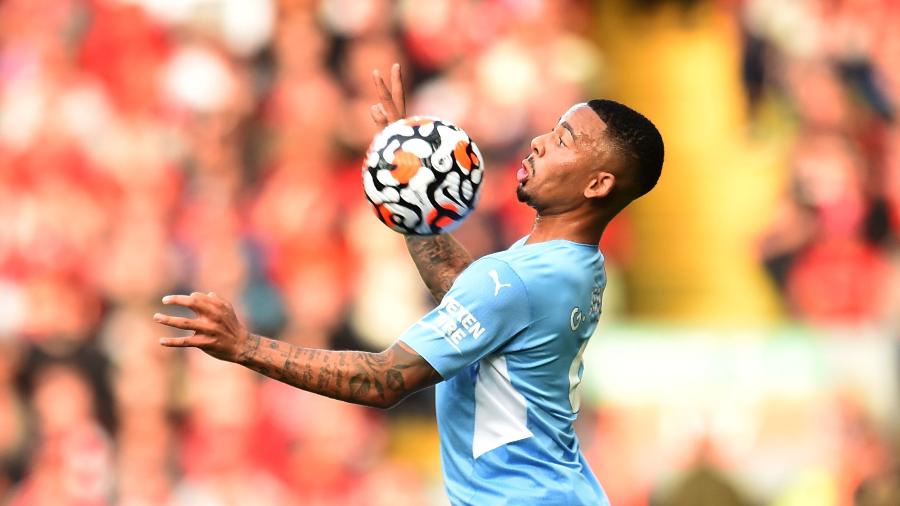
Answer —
505 343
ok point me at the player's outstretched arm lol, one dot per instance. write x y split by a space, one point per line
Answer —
439 258
372 379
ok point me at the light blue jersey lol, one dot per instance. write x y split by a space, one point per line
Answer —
508 340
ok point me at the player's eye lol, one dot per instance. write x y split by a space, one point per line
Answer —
561 143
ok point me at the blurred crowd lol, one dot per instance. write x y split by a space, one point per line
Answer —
834 67
166 146
161 147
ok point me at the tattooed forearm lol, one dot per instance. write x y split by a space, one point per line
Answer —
439 259
251 347
373 379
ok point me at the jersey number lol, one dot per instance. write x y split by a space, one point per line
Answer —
575 378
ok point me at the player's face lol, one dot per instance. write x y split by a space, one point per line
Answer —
564 162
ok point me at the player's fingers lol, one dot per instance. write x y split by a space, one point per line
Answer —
397 95
177 342
384 97
203 299
378 116
180 323
380 88
383 113
216 300
195 301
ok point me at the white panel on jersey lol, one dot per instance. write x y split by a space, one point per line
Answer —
575 378
500 410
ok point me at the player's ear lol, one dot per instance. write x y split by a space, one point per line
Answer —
599 185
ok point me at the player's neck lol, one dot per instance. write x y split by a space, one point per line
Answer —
585 229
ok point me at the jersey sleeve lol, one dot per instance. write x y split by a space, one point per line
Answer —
485 308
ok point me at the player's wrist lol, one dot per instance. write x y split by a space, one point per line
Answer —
245 348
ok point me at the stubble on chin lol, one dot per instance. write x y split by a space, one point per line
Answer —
521 195
524 197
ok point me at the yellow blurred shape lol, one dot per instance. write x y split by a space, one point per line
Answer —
695 234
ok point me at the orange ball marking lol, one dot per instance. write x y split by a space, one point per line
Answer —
416 121
461 156
443 221
385 213
407 165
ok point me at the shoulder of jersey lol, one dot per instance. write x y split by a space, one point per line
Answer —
553 261
515 258
548 253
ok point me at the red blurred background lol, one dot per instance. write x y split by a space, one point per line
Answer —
748 350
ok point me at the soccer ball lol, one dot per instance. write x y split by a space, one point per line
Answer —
422 175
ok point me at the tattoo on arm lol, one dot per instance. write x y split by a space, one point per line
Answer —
439 259
373 379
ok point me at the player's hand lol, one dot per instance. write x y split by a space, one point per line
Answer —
217 330
391 104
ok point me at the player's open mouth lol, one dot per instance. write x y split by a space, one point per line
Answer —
523 173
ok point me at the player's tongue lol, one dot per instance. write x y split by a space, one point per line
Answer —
522 173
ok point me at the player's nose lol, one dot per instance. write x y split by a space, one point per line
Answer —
537 146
